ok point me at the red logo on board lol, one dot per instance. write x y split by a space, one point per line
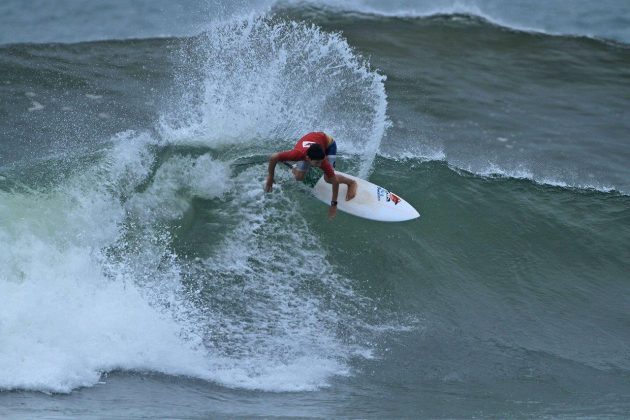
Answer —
389 196
393 197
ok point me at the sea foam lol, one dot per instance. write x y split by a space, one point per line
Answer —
66 314
250 81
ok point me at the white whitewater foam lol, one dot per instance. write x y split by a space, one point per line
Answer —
36 106
65 315
81 294
420 153
272 320
175 182
265 80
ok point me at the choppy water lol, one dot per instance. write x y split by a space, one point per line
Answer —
144 273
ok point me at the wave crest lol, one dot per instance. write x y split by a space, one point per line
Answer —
262 79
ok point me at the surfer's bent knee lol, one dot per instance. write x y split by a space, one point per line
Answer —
299 175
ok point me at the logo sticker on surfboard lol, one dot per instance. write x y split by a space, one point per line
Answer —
393 197
382 193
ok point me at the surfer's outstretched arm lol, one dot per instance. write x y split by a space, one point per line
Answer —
332 210
273 160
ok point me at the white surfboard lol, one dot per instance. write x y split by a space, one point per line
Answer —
371 202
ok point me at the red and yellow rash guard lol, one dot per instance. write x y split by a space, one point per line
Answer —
299 150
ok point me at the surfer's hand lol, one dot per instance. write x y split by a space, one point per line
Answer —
269 184
332 212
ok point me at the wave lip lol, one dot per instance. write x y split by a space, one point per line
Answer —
260 80
602 20
607 19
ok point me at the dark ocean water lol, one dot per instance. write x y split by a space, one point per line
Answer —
144 273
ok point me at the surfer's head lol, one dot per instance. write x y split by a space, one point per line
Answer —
315 154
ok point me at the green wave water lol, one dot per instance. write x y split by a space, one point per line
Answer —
140 261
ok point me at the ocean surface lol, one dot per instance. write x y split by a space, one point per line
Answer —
144 273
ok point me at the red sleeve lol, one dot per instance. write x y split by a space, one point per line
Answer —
327 168
293 155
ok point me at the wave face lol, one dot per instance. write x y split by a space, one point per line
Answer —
140 258
108 230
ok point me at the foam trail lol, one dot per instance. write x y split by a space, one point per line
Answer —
273 322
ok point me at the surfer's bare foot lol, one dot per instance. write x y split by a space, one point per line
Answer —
352 191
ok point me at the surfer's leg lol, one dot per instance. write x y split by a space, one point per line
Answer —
300 169
299 175
331 153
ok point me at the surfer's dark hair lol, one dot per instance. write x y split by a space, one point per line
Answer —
315 152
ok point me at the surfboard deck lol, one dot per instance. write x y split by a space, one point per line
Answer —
371 202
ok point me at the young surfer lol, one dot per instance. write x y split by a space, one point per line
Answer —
314 149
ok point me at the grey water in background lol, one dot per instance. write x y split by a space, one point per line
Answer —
143 272
80 21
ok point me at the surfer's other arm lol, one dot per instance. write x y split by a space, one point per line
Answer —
273 160
332 210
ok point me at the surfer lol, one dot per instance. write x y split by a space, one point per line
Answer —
314 149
